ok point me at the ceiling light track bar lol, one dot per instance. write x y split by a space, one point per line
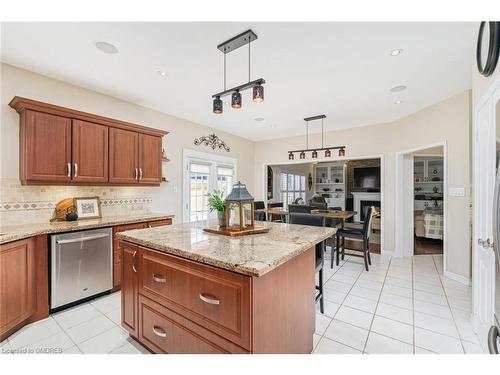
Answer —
318 117
237 41
319 149
242 87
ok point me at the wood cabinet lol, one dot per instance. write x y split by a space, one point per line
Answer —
45 148
90 152
117 250
23 283
175 305
129 293
61 146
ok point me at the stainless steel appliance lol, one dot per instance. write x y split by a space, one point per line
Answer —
81 265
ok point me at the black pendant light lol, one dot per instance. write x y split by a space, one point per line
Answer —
217 108
342 152
226 47
236 100
302 155
328 154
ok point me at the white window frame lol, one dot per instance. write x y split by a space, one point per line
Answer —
280 190
215 161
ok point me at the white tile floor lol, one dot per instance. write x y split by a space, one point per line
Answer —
92 327
402 305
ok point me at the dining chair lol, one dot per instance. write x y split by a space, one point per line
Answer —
363 235
299 208
317 221
259 215
275 218
318 205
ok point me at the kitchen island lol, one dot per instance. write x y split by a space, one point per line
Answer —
186 291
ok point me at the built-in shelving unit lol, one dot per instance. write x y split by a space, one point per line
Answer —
331 176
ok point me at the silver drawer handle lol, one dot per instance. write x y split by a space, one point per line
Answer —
136 174
159 279
140 173
133 261
158 331
69 169
82 239
76 171
209 300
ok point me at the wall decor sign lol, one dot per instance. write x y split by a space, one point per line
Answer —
88 208
212 141
488 47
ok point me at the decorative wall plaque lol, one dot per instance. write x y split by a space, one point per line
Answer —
212 141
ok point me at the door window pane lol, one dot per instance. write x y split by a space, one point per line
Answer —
198 190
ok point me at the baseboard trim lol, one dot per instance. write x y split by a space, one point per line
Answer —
458 278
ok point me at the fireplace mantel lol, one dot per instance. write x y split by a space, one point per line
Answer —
363 196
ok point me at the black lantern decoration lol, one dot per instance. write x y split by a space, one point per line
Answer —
258 93
236 100
240 209
217 108
342 152
291 156
315 154
328 154
302 155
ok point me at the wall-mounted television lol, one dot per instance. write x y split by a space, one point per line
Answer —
367 177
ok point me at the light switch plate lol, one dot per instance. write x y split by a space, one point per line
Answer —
456 192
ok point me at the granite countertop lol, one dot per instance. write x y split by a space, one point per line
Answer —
10 233
252 255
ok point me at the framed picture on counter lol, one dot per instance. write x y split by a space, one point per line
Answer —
88 208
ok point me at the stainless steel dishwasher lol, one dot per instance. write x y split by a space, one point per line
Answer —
81 265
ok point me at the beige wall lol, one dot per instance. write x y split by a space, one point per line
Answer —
165 198
445 121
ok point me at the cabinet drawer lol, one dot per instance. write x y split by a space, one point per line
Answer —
216 299
159 223
161 333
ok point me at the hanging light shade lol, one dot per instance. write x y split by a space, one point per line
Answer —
328 154
341 152
291 156
217 108
302 155
236 100
315 154
258 93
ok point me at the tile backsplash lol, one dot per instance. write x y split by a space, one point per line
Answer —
29 204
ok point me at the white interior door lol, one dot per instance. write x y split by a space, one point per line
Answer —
484 181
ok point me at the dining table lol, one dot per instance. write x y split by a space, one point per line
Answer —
328 214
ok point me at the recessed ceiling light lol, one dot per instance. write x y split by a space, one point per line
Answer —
162 73
396 52
259 119
398 102
106 47
398 88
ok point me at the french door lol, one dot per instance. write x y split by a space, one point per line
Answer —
204 174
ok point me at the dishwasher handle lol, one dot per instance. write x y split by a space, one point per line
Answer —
82 239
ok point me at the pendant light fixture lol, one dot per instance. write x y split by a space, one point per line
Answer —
314 151
226 47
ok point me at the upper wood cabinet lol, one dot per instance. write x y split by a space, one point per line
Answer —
123 156
45 148
62 146
90 152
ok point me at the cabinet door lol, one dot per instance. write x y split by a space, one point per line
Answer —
46 153
123 156
129 292
118 252
149 159
90 152
17 284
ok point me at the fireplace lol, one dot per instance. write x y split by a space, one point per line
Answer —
366 203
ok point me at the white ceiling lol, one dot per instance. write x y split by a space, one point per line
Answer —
343 70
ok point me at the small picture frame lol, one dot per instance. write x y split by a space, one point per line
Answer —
88 207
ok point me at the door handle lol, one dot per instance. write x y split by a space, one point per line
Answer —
493 335
69 170
76 170
136 174
211 301
133 261
158 331
485 244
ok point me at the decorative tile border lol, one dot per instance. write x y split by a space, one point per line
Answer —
45 205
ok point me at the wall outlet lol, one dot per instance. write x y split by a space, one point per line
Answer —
456 192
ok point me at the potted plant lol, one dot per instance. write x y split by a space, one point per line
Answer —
216 203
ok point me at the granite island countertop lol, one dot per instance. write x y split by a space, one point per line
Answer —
10 233
253 255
